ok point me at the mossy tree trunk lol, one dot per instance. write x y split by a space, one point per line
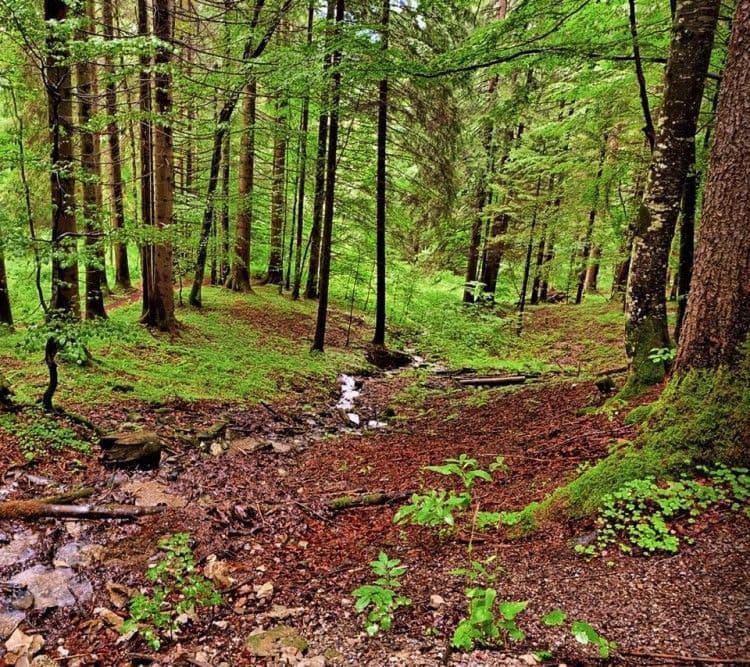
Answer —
717 319
646 324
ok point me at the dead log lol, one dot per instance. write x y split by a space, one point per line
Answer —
491 380
39 509
365 500
130 449
213 432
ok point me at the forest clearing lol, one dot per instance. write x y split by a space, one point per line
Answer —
357 333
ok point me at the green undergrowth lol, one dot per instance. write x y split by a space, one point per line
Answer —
217 355
38 434
701 419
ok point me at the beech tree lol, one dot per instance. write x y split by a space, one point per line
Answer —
717 318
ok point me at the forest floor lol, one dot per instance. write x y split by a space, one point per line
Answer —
257 504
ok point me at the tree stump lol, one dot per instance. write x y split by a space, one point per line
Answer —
131 449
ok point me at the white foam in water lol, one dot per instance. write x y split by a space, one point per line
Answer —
349 392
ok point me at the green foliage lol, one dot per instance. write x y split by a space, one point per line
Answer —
177 593
662 355
381 596
487 621
433 509
463 467
586 634
554 618
640 515
477 571
39 434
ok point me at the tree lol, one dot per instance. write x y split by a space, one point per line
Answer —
717 319
57 81
275 273
160 310
122 267
690 51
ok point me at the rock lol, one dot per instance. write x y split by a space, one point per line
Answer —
23 600
9 621
68 555
246 446
136 448
281 447
20 549
353 418
264 591
58 587
218 571
314 661
436 601
528 659
279 612
109 617
43 661
216 448
374 423
587 538
213 432
151 493
21 644
333 656
272 643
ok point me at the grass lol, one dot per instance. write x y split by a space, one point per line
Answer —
216 356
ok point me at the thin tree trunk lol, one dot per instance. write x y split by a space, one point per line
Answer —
527 265
6 316
380 191
536 286
240 278
646 323
275 273
475 239
122 268
160 311
648 128
546 269
224 263
85 73
592 272
65 294
717 319
146 160
333 135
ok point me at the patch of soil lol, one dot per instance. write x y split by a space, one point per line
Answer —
266 515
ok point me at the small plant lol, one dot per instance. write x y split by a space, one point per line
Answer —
464 467
662 355
381 595
433 509
42 435
177 592
484 624
640 514
477 571
586 634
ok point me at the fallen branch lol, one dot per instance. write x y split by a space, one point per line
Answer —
491 380
365 500
40 509
686 658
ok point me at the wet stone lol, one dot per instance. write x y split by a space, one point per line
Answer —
19 550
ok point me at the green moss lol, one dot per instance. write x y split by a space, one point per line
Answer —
639 414
640 339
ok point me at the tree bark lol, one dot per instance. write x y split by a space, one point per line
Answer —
380 191
717 319
331 158
275 273
65 294
592 272
225 176
90 168
646 321
160 312
240 278
586 250
6 315
122 268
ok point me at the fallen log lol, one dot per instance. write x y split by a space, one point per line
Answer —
491 380
39 509
365 500
131 449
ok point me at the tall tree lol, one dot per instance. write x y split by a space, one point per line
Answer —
380 190
717 320
90 176
57 79
690 51
6 315
275 273
122 267
160 311
331 160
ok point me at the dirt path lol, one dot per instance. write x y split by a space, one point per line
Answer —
263 516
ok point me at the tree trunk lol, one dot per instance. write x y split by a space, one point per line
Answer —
536 287
717 319
275 273
6 316
160 311
122 268
90 168
546 268
146 161
225 175
475 239
527 264
240 278
325 247
311 287
592 272
586 250
690 51
380 191
65 294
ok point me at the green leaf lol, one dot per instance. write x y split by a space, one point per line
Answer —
510 610
555 617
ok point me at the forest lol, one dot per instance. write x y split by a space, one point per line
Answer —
374 332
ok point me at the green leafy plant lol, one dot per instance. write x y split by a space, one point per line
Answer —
177 593
465 468
381 596
586 634
433 509
488 621
640 515
39 434
477 571
554 618
662 355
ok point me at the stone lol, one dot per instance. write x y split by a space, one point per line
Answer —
9 621
131 449
436 601
272 643
54 587
19 550
264 591
19 643
528 659
353 418
151 493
